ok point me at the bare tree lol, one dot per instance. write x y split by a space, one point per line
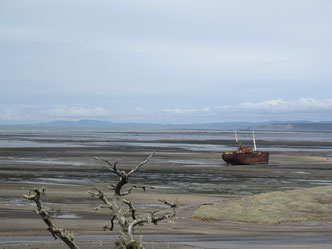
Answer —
65 236
116 203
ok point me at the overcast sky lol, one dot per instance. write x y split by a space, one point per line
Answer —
165 61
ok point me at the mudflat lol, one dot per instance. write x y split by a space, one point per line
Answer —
193 178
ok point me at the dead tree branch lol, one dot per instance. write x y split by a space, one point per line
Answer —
128 192
112 224
131 208
153 218
123 175
141 164
94 192
65 236
116 204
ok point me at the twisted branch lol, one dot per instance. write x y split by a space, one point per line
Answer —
111 166
153 218
172 205
127 224
112 224
65 236
124 177
131 208
128 192
100 194
141 164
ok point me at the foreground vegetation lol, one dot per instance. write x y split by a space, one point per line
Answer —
274 207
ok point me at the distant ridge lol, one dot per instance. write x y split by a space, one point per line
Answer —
308 126
106 124
84 122
302 125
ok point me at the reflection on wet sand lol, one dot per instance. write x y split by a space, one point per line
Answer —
187 167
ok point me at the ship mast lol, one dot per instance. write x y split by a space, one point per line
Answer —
236 137
254 140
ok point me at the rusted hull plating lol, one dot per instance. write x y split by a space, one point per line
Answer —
236 158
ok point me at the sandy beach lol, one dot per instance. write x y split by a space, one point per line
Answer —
192 178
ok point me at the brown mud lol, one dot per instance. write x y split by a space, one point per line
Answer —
193 178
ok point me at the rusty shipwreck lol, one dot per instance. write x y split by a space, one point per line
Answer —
245 155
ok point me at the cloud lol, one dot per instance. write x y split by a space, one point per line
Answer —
178 111
276 109
16 112
140 111
282 106
35 113
76 112
302 105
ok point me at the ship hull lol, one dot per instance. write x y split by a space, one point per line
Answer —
236 158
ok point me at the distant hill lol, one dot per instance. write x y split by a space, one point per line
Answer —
308 126
77 123
269 126
99 123
106 124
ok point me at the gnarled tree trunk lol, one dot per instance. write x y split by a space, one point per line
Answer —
116 203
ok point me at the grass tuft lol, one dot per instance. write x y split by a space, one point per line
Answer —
311 204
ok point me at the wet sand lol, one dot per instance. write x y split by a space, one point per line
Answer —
193 178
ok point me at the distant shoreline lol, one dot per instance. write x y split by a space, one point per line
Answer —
325 126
